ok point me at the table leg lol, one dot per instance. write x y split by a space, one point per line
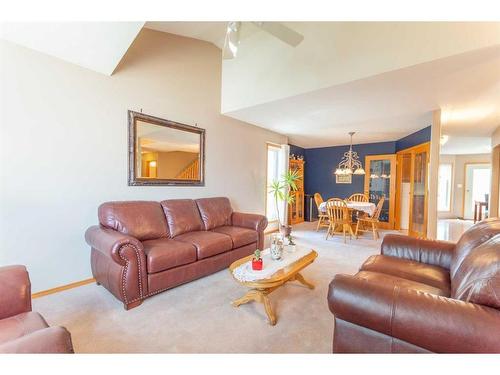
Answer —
303 281
258 296
475 213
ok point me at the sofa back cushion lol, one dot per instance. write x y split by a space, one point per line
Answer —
215 212
182 216
140 219
477 280
473 237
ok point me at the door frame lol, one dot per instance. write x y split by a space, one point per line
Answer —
412 151
392 186
465 184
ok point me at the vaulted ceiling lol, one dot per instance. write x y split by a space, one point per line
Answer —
381 79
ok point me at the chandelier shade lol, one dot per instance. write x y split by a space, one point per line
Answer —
350 163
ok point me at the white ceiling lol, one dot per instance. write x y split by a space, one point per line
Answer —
98 46
381 79
460 145
392 105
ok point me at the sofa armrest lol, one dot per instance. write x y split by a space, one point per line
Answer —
15 291
250 221
109 242
437 253
47 340
436 323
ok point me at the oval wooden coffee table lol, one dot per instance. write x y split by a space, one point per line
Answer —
261 288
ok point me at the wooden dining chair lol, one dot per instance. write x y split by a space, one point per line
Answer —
338 214
322 217
358 197
371 221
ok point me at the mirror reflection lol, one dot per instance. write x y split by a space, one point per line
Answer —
164 152
167 153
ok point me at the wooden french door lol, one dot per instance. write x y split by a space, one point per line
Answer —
380 181
411 191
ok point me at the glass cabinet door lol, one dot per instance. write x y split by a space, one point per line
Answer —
380 180
418 214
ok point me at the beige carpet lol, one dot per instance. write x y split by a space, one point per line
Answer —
198 317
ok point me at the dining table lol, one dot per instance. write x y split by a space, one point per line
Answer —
367 207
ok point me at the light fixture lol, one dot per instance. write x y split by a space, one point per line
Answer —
350 163
152 164
444 139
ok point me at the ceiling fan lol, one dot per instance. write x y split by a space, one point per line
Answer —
276 29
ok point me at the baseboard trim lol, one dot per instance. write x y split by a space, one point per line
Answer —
62 288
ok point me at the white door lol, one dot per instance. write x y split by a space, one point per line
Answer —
477 186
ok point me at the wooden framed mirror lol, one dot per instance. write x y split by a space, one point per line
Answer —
163 152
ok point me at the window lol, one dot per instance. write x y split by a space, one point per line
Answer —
273 168
444 187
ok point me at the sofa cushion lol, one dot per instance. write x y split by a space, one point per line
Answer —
20 325
140 219
215 212
239 236
473 237
182 216
478 278
385 279
435 276
164 253
207 243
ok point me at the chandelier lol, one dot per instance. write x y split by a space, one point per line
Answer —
350 163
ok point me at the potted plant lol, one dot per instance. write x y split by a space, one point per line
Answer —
282 190
257 261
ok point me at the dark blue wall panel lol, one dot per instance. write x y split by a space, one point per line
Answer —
322 162
297 150
422 136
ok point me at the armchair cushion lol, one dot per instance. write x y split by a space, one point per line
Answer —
53 340
432 322
20 325
239 236
207 243
435 276
182 216
477 280
164 253
386 279
139 219
437 253
15 291
472 238
215 212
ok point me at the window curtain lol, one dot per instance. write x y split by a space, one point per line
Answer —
283 168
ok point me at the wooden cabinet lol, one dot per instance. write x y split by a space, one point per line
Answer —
296 209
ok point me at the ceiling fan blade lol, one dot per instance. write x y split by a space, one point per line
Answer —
232 40
281 32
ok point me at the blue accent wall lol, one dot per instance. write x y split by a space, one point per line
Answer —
421 136
297 150
322 162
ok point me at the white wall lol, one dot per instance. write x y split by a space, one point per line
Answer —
63 145
458 186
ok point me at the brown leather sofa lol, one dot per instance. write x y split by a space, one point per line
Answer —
142 248
22 330
422 296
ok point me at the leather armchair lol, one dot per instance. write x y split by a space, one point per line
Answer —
21 330
421 296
